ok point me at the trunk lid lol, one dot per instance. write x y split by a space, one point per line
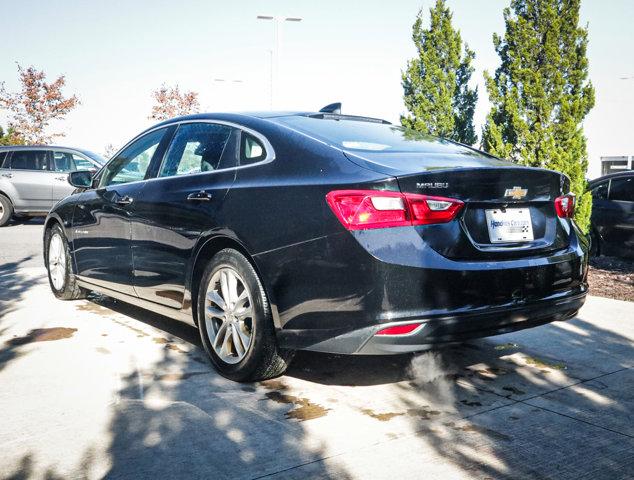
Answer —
492 189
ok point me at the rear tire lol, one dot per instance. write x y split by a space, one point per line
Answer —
235 322
6 210
58 264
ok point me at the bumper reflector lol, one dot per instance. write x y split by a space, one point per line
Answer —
399 329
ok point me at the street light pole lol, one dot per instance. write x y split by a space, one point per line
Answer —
275 53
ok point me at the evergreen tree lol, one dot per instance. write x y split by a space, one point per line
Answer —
540 93
436 82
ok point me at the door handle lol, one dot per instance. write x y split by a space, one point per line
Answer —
201 196
61 178
7 175
125 200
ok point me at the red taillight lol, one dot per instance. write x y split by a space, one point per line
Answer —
565 205
426 210
367 209
399 329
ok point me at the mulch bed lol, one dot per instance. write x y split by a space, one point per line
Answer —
612 277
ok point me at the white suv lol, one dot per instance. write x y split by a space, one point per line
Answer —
33 179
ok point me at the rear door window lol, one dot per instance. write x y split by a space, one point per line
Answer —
600 192
29 160
622 189
3 156
199 148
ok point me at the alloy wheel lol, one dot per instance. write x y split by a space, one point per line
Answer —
57 261
229 315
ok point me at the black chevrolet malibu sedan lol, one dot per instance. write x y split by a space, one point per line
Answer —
283 231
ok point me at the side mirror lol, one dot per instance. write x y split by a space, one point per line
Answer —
80 179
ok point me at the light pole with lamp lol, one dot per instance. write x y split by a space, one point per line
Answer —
275 53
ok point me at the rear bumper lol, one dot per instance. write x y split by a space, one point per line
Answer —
454 328
472 325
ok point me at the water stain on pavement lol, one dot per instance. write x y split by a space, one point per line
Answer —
513 390
273 385
423 413
103 350
168 344
43 335
93 308
306 410
382 417
536 362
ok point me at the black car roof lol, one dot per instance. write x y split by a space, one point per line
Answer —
237 117
625 173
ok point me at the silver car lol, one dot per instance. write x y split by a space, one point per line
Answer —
33 179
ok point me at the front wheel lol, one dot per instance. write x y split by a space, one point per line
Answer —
235 323
6 210
58 263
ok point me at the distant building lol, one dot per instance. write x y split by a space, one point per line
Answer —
616 164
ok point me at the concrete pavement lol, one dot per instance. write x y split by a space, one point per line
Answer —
96 388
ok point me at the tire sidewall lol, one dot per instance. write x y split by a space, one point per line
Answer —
7 210
56 229
244 368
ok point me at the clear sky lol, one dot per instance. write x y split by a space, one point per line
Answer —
115 53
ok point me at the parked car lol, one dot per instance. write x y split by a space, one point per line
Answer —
612 229
33 179
273 232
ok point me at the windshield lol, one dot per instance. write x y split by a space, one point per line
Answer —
367 136
95 156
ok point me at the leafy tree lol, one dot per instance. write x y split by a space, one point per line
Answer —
109 150
10 137
436 82
36 105
541 93
170 102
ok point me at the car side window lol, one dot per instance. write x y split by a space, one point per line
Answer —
29 160
82 163
3 156
132 163
200 147
62 162
600 192
622 189
251 150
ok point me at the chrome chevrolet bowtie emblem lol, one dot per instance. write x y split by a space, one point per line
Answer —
515 192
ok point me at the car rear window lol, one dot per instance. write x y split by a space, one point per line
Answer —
622 189
369 136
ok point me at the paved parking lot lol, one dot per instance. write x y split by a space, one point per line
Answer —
97 388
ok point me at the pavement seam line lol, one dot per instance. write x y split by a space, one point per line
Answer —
577 419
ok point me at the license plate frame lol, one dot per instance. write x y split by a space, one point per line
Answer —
509 225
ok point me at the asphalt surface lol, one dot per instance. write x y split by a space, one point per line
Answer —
96 388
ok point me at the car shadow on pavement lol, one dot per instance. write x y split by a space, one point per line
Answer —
550 402
25 221
13 287
177 418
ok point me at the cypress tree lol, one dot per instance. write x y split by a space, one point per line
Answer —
436 82
540 93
